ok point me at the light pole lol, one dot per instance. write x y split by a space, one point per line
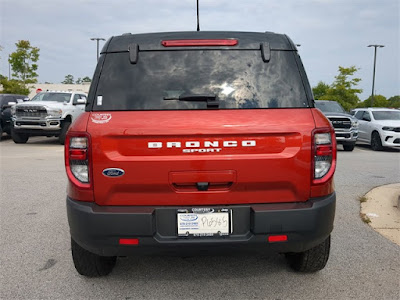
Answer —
373 76
97 39
9 67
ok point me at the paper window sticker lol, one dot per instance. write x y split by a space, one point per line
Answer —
99 100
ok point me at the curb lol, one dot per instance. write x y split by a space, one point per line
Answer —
398 203
381 210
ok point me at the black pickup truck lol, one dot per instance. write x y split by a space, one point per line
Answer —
6 101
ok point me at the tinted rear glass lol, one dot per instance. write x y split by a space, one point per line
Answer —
238 78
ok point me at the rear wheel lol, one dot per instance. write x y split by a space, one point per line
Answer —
348 147
19 138
312 260
90 264
376 143
64 129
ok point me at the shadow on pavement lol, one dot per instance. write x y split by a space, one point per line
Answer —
367 147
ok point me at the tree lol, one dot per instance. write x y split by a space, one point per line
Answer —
78 81
23 62
13 86
394 101
343 89
69 79
86 79
379 101
320 89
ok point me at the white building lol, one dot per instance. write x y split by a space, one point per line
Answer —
84 87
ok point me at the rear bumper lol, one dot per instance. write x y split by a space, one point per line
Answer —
99 228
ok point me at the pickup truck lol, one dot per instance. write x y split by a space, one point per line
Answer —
6 102
346 126
49 113
200 140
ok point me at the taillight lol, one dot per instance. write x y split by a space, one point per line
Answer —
77 159
324 155
199 43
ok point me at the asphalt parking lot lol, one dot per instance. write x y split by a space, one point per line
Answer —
36 260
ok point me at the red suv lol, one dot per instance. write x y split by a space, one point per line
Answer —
200 139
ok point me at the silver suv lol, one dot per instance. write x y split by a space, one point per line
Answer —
346 126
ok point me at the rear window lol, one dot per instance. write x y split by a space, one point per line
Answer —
239 79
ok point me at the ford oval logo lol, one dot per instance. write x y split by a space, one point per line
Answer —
188 217
113 172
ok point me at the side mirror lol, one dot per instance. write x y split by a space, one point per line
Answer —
79 101
8 105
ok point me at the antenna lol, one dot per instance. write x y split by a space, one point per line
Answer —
198 22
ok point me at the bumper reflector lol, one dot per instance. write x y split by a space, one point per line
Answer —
277 238
129 241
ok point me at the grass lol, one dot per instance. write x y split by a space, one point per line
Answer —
365 218
362 199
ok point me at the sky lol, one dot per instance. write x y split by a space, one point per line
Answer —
331 33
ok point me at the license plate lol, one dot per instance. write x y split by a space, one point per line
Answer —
204 222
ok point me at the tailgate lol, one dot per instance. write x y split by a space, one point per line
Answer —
203 157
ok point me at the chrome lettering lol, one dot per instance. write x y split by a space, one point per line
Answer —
173 144
248 143
192 144
230 144
211 144
154 145
202 150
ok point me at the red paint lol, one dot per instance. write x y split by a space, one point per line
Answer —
278 169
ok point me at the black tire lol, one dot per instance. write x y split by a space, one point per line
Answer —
19 138
312 260
90 264
63 134
348 147
376 143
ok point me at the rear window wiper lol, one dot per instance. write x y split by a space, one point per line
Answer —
209 98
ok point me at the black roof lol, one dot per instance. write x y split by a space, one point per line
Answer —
152 41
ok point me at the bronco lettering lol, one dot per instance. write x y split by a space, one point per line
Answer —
206 144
